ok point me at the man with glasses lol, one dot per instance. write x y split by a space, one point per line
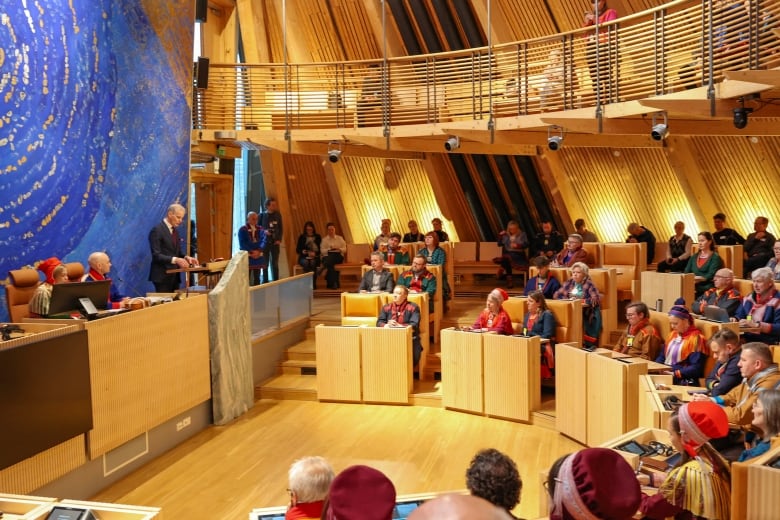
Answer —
723 295
641 338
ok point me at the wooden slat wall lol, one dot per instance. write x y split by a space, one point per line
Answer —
568 14
310 196
45 467
354 26
529 19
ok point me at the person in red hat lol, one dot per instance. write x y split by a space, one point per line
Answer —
699 486
494 318
360 493
54 272
593 484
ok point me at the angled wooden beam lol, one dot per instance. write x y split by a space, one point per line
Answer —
767 77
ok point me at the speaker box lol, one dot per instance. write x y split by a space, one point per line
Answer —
202 73
201 10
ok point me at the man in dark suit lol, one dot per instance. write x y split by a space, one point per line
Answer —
271 222
167 251
378 279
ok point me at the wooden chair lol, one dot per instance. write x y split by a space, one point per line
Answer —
594 253
606 280
568 317
360 309
19 290
629 261
516 307
75 271
744 287
354 260
449 267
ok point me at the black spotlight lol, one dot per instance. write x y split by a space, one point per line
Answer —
554 142
741 117
334 155
453 143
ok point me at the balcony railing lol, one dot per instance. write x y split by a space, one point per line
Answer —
671 48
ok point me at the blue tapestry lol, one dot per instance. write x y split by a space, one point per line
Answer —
94 130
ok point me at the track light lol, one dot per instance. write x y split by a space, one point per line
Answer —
660 131
554 140
741 117
453 143
334 155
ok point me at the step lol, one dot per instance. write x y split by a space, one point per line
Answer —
303 351
544 419
299 367
286 386
426 393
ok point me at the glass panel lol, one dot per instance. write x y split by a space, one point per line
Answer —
276 304
296 296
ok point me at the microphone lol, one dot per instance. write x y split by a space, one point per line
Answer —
136 292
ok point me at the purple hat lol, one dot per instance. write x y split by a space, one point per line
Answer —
680 310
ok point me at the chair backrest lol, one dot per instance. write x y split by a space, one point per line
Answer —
19 290
594 253
411 247
619 253
568 320
732 258
75 271
360 309
464 252
744 287
516 308
488 251
357 253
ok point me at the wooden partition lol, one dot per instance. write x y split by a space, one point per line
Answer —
571 388
338 363
754 486
513 380
666 287
461 370
653 390
629 260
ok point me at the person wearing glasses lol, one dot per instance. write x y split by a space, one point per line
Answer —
641 338
723 294
774 262
572 253
309 479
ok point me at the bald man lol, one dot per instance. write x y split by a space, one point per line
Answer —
99 267
167 250
723 295
458 507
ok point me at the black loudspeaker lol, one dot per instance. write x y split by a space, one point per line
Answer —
202 73
201 10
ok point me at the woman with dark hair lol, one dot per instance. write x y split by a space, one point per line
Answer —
436 256
308 248
544 280
686 348
766 417
704 264
539 321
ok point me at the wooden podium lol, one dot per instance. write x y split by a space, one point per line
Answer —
461 370
571 391
513 386
754 486
338 363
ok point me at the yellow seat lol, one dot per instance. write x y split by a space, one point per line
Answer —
360 309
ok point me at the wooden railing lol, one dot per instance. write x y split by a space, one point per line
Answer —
670 48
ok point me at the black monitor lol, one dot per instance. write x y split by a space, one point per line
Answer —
70 513
65 296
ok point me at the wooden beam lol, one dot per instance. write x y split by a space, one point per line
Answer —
767 124
766 77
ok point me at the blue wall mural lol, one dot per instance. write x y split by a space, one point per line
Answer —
94 130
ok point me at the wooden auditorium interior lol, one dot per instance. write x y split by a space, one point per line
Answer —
476 113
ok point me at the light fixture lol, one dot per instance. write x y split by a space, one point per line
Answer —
554 137
334 151
741 117
660 131
453 143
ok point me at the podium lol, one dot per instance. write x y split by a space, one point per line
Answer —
754 485
338 363
461 370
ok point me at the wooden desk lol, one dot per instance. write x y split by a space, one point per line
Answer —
571 391
666 287
338 363
461 370
386 364
650 405
513 386
754 488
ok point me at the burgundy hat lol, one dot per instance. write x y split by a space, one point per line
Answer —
361 493
680 310
596 483
701 421
47 268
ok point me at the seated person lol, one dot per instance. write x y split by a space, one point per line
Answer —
544 281
637 233
592 483
419 279
494 477
378 279
582 230
641 338
54 272
384 236
725 375
414 234
333 248
723 294
686 349
704 264
699 485
549 242
308 248
99 267
437 228
774 262
403 313
758 246
252 238
308 481
766 419
759 312
540 321
513 242
512 89
581 287
572 253
360 492
394 253
725 236
679 251
494 318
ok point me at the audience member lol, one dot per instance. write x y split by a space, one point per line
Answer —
378 279
435 255
308 482
458 507
637 233
551 92
725 375
699 486
384 236
766 418
572 253
548 242
759 373
686 348
308 249
723 295
494 477
513 243
704 264
725 236
252 238
678 252
167 251
437 228
758 246
592 483
581 287
403 313
599 63
99 268
582 230
540 321
494 318
414 234
333 248
759 312
544 281
641 338
360 493
394 252
54 272
774 262
419 279
271 222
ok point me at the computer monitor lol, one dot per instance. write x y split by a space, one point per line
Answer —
65 296
70 513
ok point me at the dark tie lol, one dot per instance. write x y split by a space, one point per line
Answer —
175 238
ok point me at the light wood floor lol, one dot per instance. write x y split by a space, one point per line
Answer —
224 472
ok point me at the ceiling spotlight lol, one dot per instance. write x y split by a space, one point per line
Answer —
554 137
741 117
334 155
453 143
660 131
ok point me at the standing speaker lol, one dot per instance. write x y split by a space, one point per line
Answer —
202 73
201 10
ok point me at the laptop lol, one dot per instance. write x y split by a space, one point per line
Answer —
715 313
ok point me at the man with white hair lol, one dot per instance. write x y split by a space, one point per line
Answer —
167 250
99 267
309 479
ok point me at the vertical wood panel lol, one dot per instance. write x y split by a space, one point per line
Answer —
45 467
338 363
461 370
386 364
